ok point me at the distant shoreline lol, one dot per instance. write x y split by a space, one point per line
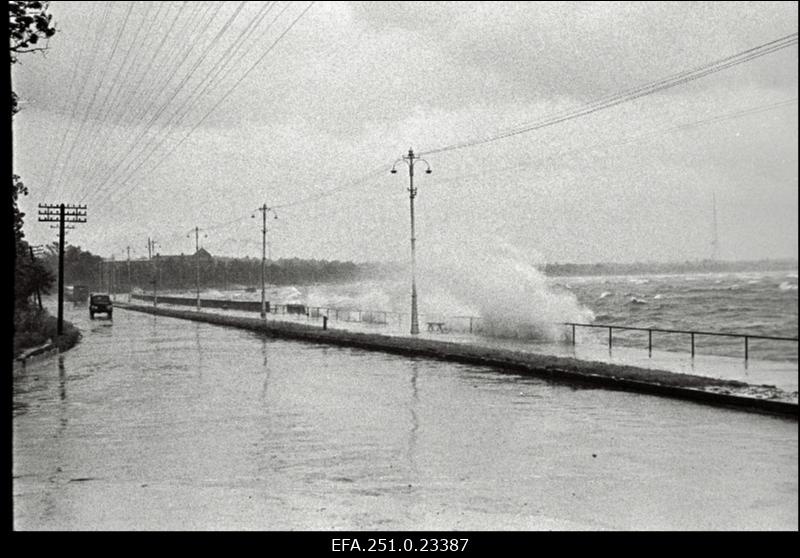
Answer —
672 268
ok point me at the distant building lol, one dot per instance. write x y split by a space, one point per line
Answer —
202 253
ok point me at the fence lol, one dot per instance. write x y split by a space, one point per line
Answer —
445 324
692 335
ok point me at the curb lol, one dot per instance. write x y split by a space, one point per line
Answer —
41 350
557 368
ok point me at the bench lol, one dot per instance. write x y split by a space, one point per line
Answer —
436 326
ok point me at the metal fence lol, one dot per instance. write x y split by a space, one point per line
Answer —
456 324
746 337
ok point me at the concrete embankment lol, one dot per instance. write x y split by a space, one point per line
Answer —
701 389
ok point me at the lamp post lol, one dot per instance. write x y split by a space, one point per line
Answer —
264 209
412 160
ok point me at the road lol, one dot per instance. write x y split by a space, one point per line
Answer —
156 423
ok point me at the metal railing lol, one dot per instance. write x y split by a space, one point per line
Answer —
470 324
692 333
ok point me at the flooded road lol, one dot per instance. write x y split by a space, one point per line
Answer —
158 423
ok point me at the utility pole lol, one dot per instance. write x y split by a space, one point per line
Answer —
63 214
151 244
113 279
263 209
130 285
412 160
197 261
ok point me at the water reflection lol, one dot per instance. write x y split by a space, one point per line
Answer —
198 349
62 379
296 436
412 435
265 354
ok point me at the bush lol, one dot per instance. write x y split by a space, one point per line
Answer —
33 327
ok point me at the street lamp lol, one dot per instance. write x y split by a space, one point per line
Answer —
264 209
412 160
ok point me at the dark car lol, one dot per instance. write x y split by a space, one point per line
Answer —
100 304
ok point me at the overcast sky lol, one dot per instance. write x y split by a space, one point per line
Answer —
133 111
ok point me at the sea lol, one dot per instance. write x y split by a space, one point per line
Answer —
526 303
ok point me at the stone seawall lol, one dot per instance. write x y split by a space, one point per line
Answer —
701 389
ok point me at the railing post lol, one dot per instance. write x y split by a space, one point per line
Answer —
649 342
573 334
692 344
609 337
470 325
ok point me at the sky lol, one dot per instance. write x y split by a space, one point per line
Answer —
166 116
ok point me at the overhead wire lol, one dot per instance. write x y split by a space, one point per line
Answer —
147 125
196 65
211 79
630 94
72 119
76 141
122 91
224 97
75 69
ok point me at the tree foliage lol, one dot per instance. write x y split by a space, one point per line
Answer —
29 23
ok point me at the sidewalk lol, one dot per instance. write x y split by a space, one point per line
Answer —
783 375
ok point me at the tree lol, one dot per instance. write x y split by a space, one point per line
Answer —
29 23
18 189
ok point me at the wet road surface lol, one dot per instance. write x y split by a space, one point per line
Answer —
158 423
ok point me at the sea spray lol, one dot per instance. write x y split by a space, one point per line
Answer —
501 294
505 290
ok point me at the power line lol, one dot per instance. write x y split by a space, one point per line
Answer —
157 85
634 139
97 89
72 119
196 94
185 79
121 89
189 48
631 94
78 60
225 96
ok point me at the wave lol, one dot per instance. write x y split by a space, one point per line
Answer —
605 294
659 296
635 300
786 286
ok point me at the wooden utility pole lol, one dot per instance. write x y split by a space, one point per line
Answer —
63 214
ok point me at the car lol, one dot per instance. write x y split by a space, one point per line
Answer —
100 303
